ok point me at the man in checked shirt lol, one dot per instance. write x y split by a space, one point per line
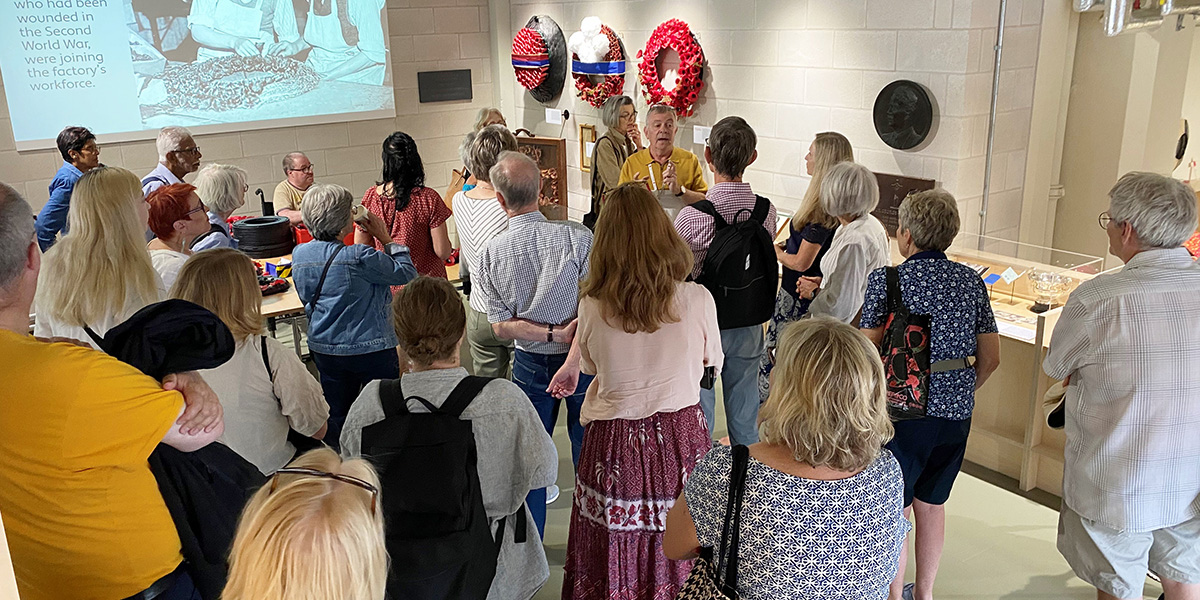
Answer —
1128 344
530 278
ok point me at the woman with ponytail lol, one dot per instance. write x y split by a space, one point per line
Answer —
415 215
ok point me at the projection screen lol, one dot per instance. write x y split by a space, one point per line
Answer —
125 68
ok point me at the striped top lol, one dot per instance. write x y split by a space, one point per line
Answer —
478 221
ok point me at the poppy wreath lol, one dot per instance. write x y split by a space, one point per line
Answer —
612 69
675 35
539 58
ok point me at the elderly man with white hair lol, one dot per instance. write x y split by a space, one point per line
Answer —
530 276
1128 345
178 155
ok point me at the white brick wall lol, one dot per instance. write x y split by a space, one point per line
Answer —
793 68
425 35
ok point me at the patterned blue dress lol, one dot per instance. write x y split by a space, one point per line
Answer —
804 538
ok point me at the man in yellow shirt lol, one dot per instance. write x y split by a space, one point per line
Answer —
82 511
666 169
298 171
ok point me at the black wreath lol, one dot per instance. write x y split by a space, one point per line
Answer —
556 47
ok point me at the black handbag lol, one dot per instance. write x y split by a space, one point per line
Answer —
705 581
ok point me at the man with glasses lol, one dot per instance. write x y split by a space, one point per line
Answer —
298 173
1128 346
178 155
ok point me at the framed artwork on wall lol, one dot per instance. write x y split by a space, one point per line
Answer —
587 142
550 154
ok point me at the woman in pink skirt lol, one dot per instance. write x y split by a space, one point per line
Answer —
647 336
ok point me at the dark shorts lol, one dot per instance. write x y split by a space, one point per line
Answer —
930 452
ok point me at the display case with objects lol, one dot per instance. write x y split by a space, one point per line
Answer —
1027 285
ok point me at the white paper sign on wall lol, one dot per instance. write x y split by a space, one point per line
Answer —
554 116
700 135
589 147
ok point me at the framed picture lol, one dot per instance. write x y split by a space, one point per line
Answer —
587 143
550 154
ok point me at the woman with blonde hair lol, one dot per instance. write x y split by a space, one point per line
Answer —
222 188
314 531
264 389
648 336
822 515
809 236
100 273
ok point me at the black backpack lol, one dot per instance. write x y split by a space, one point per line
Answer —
438 536
905 352
740 269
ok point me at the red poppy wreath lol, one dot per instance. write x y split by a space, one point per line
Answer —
675 35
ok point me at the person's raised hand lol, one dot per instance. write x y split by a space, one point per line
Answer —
376 227
202 408
671 179
635 136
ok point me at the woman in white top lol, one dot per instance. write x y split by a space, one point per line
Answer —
347 40
479 218
176 218
264 389
99 274
850 192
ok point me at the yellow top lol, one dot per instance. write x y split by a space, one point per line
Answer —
287 196
83 513
687 169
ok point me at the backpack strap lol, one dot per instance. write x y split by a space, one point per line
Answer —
92 334
147 179
267 359
463 394
312 303
706 207
894 300
762 208
391 398
213 228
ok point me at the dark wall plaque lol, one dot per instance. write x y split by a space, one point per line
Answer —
903 114
893 189
440 86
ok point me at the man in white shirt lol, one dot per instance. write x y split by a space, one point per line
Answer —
1128 344
178 155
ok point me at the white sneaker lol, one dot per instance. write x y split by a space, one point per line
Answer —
551 494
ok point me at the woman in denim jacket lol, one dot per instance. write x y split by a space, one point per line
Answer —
350 333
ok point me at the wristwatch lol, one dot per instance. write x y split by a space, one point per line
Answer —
550 333
681 191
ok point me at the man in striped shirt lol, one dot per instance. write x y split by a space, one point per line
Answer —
1128 344
530 275
731 148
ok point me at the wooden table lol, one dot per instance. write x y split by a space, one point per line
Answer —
287 305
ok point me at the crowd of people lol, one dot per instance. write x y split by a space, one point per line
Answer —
630 319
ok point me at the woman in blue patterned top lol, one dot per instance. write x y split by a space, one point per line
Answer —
822 516
809 236
931 449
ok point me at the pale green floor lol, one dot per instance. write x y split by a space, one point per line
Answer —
999 544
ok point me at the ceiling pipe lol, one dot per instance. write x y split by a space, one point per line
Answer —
991 138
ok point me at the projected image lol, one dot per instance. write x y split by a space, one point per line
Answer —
145 64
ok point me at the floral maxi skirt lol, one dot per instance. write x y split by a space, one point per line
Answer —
629 475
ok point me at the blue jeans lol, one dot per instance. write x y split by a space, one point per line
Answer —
343 378
743 349
532 373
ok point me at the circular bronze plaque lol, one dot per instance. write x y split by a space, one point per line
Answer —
903 114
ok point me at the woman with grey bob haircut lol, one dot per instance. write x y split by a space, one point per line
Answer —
611 151
347 296
929 219
1161 210
222 189
849 192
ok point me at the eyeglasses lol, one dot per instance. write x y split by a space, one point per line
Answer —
192 150
193 211
1104 220
307 169
334 476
